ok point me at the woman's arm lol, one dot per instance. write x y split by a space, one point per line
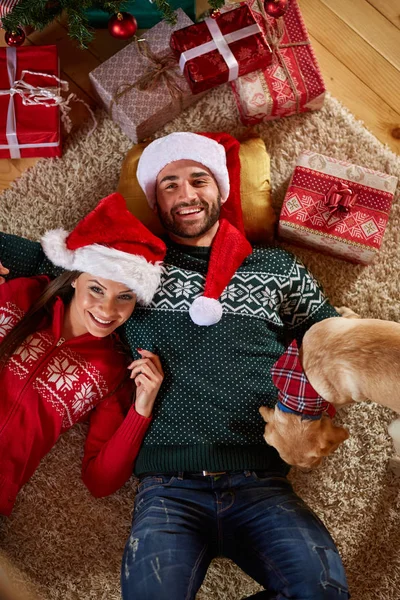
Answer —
116 429
112 443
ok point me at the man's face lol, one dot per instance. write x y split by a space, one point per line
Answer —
188 200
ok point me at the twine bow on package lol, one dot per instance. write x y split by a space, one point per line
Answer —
141 86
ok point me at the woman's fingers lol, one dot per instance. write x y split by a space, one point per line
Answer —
153 357
152 362
3 271
149 371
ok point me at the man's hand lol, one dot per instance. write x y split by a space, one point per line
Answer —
148 375
3 271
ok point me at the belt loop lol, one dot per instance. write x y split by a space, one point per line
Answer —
180 475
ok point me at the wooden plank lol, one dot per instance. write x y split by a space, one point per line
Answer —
389 9
373 27
365 104
361 58
12 169
75 62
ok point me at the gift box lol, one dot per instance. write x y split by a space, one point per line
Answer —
146 13
292 83
29 115
336 207
141 86
219 50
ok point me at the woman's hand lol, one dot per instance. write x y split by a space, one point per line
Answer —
148 375
3 271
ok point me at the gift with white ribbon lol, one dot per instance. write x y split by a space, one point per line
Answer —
221 41
47 95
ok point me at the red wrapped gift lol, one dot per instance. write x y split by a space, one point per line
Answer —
219 50
292 83
336 207
29 98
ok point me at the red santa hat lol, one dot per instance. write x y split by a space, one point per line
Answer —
219 152
113 244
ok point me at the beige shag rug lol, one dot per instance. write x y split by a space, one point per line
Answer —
63 544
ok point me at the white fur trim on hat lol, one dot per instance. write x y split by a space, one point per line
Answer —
139 275
54 246
182 146
205 311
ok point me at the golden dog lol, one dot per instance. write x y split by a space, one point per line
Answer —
345 360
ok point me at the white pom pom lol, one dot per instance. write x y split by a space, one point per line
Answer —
205 311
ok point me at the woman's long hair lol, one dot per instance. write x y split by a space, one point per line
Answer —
60 286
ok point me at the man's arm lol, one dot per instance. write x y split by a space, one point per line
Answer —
304 303
24 258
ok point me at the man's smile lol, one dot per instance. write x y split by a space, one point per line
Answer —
188 212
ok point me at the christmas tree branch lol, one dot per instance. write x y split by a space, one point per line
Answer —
167 12
39 13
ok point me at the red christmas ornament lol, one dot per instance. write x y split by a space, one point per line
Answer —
215 13
276 8
14 38
122 26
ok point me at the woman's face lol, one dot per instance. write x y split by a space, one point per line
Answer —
99 305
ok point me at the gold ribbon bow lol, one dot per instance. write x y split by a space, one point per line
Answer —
340 198
162 68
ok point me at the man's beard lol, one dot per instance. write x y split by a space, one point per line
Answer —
183 230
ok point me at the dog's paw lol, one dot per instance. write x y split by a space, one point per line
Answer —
346 312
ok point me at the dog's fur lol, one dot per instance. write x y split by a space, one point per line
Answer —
346 360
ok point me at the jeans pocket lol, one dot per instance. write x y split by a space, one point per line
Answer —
333 572
153 481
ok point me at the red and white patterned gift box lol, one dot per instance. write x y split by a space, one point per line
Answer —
337 208
292 83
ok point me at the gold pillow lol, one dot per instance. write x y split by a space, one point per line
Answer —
255 191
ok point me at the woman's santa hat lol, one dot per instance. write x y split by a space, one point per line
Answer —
220 154
113 244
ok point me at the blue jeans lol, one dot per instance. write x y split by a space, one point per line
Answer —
182 522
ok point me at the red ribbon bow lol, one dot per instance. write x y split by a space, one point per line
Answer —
340 197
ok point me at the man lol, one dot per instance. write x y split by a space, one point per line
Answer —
209 485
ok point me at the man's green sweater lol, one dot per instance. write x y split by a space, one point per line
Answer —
206 413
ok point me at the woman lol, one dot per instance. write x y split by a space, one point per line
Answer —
59 354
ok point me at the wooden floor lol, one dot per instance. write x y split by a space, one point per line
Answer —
357 43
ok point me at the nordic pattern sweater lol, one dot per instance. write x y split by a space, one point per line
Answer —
49 383
206 413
